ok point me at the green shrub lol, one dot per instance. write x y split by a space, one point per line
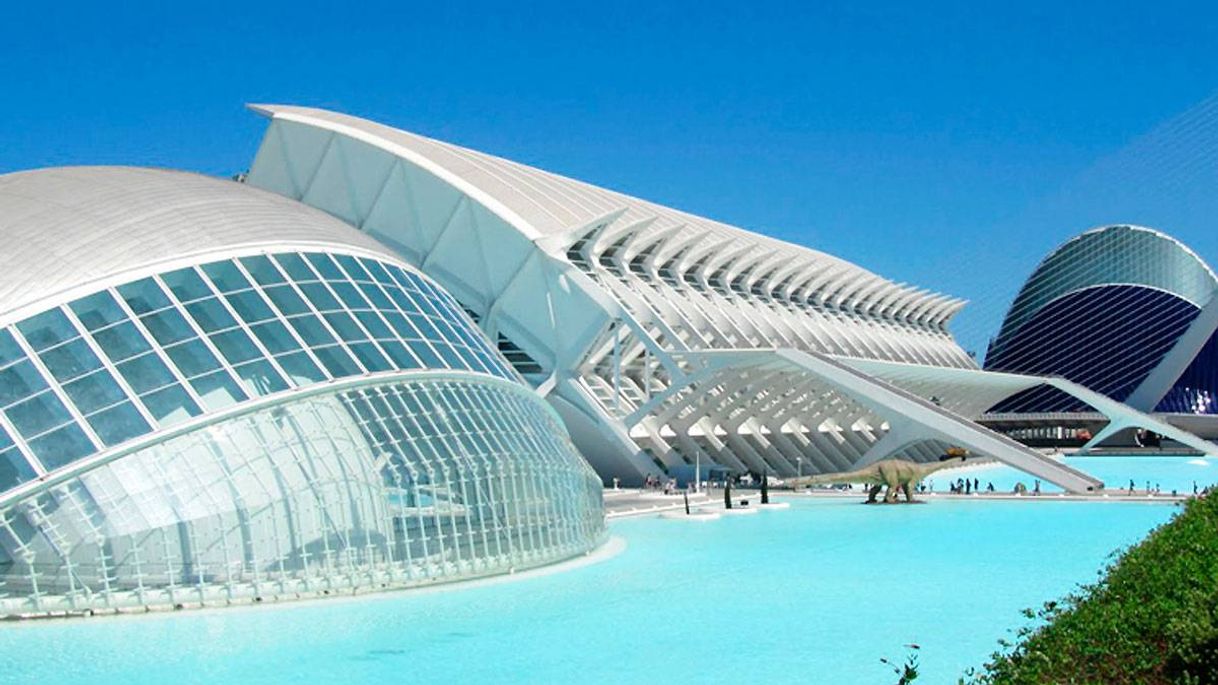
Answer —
1151 619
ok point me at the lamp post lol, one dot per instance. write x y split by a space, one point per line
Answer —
697 471
799 464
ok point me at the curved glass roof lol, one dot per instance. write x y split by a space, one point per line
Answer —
1112 255
147 354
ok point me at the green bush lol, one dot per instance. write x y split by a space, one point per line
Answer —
1151 619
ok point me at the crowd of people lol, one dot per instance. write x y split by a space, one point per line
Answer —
964 486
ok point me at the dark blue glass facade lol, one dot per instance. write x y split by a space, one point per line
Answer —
1107 338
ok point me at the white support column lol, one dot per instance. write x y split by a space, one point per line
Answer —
933 421
1122 416
617 367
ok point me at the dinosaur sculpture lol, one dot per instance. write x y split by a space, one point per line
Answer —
895 474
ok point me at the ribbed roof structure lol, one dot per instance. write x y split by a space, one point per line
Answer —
66 227
539 203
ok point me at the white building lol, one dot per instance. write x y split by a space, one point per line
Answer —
662 338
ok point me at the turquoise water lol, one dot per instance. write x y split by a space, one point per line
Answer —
1168 473
813 594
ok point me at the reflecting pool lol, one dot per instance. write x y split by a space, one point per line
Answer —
817 593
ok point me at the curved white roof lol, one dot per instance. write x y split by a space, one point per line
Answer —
69 226
540 203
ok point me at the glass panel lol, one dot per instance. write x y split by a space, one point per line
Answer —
18 381
350 296
170 405
464 334
211 315
38 414
260 378
325 266
295 267
286 300
98 310
469 360
427 356
226 276
370 357
192 358
121 341
186 285
349 264
46 329
320 297
118 424
401 326
61 447
261 268
375 296
275 337
218 390
146 373
337 362
345 326
168 326
402 358
374 325
426 305
311 331
144 296
236 346
250 307
300 368
451 359
424 325
403 277
378 272
404 301
71 360
93 392
9 350
14 469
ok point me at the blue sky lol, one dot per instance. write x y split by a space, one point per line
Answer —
949 145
